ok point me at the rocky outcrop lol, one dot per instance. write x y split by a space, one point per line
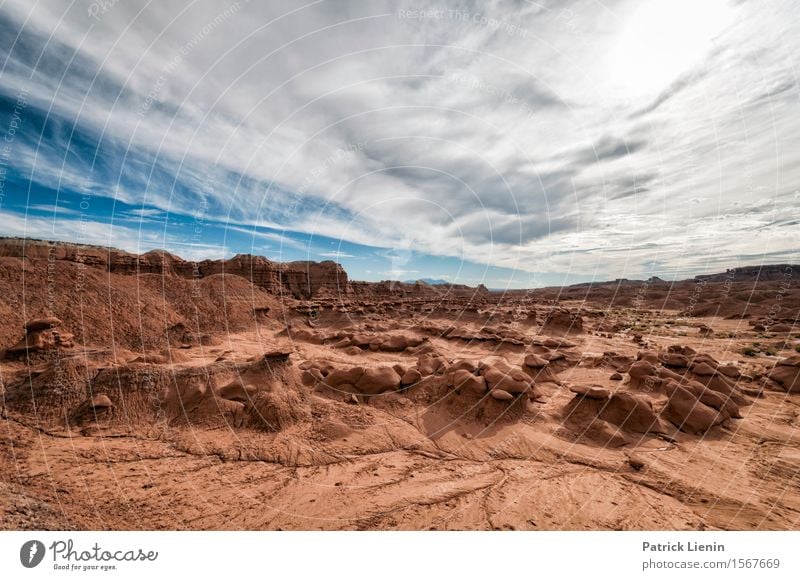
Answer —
563 321
752 273
302 280
41 335
296 279
787 374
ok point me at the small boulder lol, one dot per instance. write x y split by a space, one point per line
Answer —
636 462
703 369
641 369
466 382
673 359
631 413
534 361
501 395
337 378
786 373
377 380
689 414
428 365
410 377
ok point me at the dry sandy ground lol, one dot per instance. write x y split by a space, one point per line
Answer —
408 460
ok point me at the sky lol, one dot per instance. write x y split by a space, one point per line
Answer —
509 142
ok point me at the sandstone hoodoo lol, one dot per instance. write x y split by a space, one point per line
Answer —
391 405
786 373
41 335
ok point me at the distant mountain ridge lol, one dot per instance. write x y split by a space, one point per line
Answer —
428 281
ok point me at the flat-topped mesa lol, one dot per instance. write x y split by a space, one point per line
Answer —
316 278
419 289
41 250
769 272
303 279
111 259
152 262
258 269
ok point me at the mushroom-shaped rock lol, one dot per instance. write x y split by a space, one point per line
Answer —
40 324
641 369
512 380
673 359
377 380
96 407
410 377
41 334
337 378
428 365
786 373
689 414
631 413
466 382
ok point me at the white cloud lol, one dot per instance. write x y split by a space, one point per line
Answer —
337 255
55 209
282 241
517 147
145 212
86 231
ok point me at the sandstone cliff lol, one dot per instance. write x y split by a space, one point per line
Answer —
301 280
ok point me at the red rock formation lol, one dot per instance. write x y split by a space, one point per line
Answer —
296 279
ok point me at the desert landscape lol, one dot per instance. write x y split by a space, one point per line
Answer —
151 392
